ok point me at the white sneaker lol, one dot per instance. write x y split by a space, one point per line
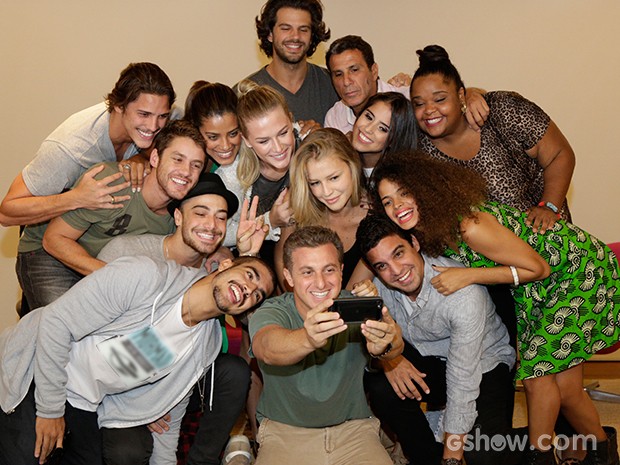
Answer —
238 451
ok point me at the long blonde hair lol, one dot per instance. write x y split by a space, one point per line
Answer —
254 101
321 144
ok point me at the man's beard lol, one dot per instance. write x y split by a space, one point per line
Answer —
196 245
289 61
220 301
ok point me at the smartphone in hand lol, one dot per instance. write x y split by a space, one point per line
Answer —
358 309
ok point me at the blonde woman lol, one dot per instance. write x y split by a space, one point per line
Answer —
261 168
327 190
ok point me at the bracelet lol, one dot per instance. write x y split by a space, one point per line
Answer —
249 254
451 461
550 206
515 275
387 350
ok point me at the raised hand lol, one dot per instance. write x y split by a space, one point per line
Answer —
321 324
252 230
281 213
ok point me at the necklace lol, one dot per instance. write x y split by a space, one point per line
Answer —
201 386
166 251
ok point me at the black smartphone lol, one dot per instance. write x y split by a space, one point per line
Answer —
358 309
55 457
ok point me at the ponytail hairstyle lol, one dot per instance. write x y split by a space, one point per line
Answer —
254 101
206 100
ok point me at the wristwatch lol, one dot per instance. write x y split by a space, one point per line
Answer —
387 350
451 461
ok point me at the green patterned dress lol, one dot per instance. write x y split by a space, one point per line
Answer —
564 319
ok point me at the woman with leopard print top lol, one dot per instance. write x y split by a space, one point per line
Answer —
524 157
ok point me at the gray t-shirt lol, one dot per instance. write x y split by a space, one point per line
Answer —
313 99
80 142
151 245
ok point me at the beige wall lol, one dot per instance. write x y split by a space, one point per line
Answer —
59 57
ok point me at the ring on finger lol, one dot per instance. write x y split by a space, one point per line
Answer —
127 166
113 199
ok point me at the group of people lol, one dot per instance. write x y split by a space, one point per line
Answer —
144 227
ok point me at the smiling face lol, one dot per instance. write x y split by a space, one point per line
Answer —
272 138
315 276
202 222
330 181
242 287
371 128
143 118
399 204
222 136
437 105
398 264
177 169
353 80
291 35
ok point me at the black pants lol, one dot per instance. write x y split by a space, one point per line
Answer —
406 419
133 446
82 444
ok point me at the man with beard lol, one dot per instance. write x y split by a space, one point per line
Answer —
117 352
289 32
200 219
74 239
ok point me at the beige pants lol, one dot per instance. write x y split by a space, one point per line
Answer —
354 442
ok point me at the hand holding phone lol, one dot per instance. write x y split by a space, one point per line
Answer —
358 309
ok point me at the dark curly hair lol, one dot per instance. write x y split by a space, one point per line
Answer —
435 60
444 193
267 20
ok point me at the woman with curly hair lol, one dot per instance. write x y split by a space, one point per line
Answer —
565 284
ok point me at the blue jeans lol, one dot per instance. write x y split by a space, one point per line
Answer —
43 278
